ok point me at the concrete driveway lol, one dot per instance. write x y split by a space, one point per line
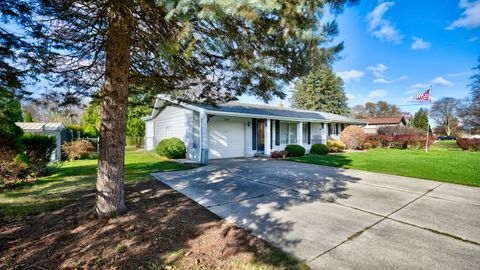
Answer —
338 218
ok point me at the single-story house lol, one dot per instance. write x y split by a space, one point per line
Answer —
51 129
374 123
237 129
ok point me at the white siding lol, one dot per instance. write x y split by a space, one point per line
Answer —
173 122
149 135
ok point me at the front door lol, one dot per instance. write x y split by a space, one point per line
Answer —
260 135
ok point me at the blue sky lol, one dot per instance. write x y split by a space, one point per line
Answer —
396 49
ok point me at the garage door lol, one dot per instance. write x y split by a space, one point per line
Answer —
226 139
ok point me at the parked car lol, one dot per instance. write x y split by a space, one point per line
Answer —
447 138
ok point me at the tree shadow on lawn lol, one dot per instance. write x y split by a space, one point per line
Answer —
51 192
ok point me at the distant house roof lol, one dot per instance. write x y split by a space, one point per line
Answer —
383 120
262 111
40 126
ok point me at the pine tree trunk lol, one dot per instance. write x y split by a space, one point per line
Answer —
110 184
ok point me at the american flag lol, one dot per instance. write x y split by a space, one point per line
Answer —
425 96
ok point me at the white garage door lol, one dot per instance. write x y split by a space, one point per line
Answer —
226 139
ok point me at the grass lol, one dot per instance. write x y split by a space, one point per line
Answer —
52 192
444 162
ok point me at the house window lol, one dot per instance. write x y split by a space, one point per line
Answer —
292 133
283 133
288 133
333 129
305 133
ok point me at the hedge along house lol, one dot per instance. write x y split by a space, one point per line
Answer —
50 129
237 129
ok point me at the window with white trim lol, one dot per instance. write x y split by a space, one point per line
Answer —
288 133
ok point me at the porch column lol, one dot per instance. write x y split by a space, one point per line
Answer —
300 133
267 136
203 137
325 133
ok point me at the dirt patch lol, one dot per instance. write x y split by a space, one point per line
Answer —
162 230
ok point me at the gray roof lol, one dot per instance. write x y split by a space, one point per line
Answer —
40 126
274 111
263 110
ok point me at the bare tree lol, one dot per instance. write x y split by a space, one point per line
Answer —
445 113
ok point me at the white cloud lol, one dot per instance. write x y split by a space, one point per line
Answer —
378 70
440 81
378 93
381 27
420 85
459 74
351 96
351 75
473 39
470 17
420 44
385 81
411 91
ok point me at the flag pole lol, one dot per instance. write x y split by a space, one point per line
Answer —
428 119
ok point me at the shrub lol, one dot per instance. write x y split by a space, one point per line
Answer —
336 145
38 151
367 146
295 150
171 148
279 154
79 149
472 144
379 140
320 149
353 137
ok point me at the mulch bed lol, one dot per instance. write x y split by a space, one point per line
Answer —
162 230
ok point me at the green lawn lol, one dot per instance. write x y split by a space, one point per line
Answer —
444 162
68 177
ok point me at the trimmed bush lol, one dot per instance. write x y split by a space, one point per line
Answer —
171 148
79 149
367 146
295 150
279 154
336 145
353 137
319 149
38 151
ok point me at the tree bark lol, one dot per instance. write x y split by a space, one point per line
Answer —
110 183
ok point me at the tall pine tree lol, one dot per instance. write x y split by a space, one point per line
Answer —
320 90
420 120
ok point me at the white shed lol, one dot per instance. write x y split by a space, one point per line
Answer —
50 129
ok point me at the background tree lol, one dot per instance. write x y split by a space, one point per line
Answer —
420 120
320 90
92 119
28 117
218 49
470 113
379 109
445 113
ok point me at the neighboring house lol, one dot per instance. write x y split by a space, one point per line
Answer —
374 123
51 129
238 129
